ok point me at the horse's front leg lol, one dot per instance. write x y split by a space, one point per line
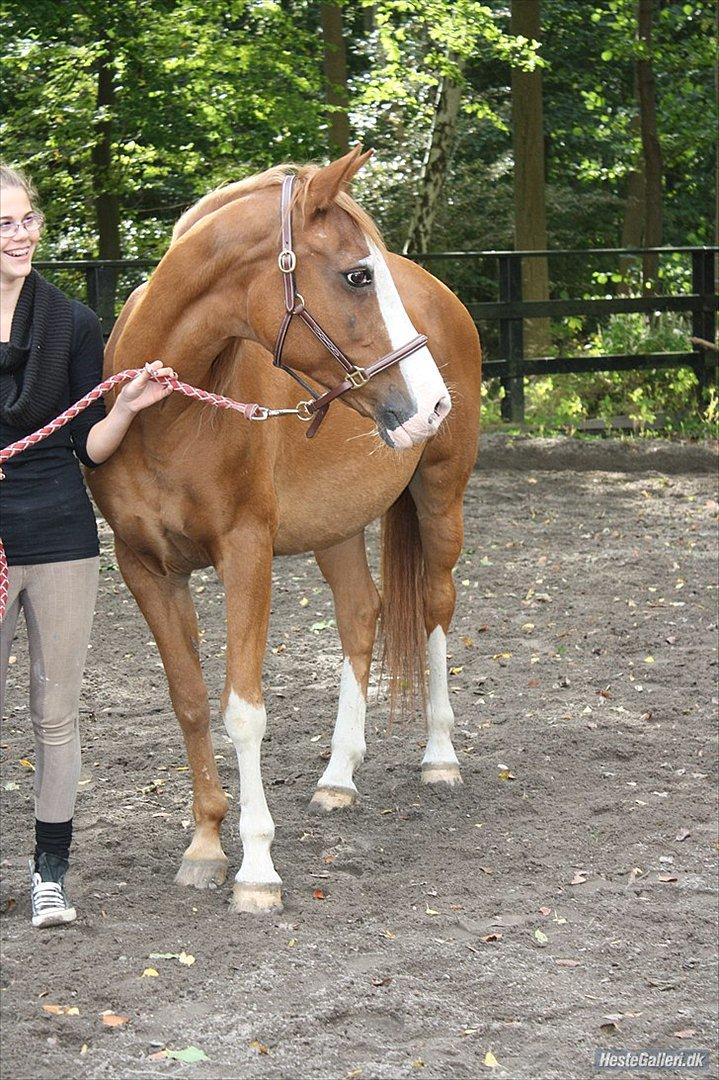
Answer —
170 613
357 606
441 528
245 565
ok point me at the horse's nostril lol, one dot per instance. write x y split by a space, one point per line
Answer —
441 409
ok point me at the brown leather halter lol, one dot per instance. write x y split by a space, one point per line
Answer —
316 408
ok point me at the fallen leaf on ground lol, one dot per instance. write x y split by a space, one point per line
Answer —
27 764
112 1019
188 1055
318 894
505 774
418 1064
259 1047
62 1010
490 1060
186 958
494 936
382 982
150 973
579 878
84 1048
430 911
667 877
540 937
683 834
545 911
685 1033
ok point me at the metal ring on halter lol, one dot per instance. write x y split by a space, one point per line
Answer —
299 305
303 411
287 261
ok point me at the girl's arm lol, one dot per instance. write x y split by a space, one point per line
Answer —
106 435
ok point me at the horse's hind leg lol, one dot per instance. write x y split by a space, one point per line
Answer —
170 613
357 606
441 529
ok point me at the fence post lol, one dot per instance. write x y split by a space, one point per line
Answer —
703 316
511 338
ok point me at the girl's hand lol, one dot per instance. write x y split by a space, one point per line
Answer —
143 390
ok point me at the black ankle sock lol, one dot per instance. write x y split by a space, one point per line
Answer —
54 837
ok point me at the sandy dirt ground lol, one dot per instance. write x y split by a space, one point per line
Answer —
563 899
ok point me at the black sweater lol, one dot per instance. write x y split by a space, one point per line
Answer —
45 512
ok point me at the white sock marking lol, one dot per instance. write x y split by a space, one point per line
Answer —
245 724
440 718
348 742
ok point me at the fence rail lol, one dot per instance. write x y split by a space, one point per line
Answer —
108 280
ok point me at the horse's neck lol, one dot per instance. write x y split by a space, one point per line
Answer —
193 305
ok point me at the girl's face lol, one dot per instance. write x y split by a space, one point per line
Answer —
16 251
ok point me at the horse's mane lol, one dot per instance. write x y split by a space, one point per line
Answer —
273 177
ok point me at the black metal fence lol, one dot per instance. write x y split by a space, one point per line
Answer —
107 283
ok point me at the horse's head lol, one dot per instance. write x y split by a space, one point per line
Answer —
345 284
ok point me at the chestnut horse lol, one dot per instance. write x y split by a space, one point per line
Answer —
192 487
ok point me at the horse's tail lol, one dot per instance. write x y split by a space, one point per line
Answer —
404 640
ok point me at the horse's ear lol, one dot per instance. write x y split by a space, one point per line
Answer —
325 185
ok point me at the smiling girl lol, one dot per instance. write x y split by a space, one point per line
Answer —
50 356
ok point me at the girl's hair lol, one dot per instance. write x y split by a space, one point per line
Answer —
10 177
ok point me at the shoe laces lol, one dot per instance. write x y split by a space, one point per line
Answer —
47 895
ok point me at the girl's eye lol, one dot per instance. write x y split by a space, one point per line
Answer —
359 278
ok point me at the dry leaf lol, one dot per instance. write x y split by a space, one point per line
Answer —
505 774
27 764
430 911
490 1060
112 1019
494 936
579 878
186 958
418 1064
667 877
685 1033
62 1010
84 1048
540 937
259 1047
150 973
318 894
545 911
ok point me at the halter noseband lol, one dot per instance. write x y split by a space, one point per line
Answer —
316 408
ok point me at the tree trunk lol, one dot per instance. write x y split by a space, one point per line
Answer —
335 69
105 197
530 219
646 89
435 166
633 223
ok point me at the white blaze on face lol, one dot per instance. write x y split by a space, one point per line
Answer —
420 373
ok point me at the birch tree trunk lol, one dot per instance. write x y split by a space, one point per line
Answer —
335 68
646 88
530 218
435 166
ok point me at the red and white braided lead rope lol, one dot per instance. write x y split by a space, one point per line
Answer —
250 412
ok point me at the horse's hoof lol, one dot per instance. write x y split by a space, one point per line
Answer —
202 873
448 774
255 899
332 798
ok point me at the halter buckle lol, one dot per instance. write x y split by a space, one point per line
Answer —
287 261
358 378
303 411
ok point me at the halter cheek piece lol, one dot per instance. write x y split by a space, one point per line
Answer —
315 409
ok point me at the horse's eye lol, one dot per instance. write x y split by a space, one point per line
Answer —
359 278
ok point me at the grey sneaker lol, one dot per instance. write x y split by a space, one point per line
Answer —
49 903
